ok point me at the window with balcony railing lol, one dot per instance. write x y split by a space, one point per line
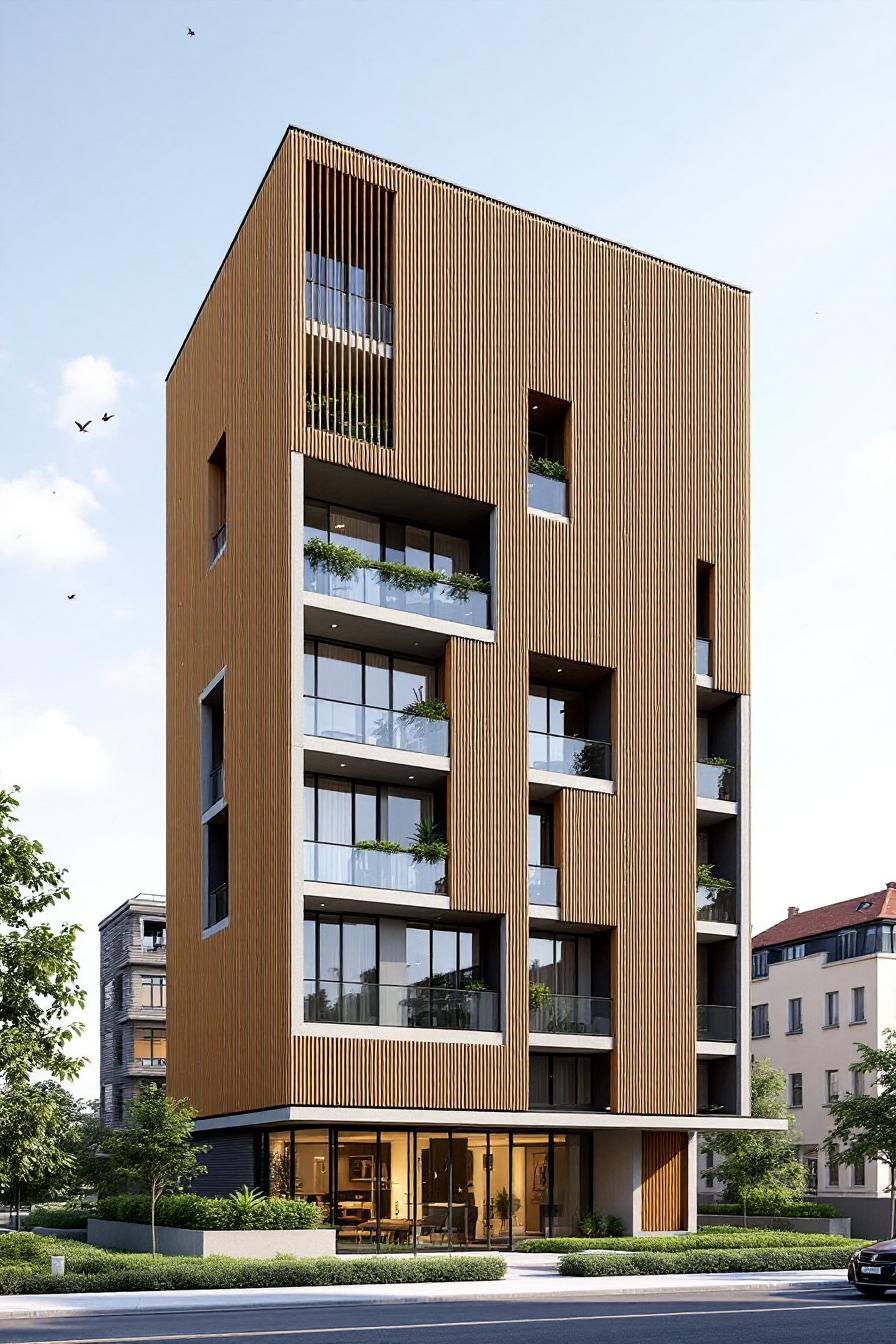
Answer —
543 875
559 719
568 985
548 453
716 1022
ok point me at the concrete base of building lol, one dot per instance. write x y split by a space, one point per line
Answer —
870 1215
258 1245
831 1227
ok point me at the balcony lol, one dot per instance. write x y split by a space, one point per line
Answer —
393 729
438 601
570 756
147 1062
716 1022
351 866
332 307
215 785
546 494
702 657
543 884
430 1007
716 780
570 1015
217 904
218 542
717 905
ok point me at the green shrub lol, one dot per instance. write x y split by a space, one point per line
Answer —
145 1274
342 561
770 1260
24 1248
772 1207
711 1238
596 1224
196 1211
546 466
41 1217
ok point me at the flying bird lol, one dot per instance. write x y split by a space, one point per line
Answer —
190 33
71 596
106 416
83 428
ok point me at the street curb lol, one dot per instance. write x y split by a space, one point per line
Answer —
551 1287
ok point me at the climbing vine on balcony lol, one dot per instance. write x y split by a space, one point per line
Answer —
344 562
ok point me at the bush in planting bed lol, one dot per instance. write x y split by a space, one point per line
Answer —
211 1215
769 1260
711 1238
773 1208
41 1217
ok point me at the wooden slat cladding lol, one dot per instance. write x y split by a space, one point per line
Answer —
489 302
228 995
348 305
664 1177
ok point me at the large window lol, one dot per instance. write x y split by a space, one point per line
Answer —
152 991
341 949
346 811
379 538
150 1047
365 676
557 710
563 1080
442 957
541 846
759 1020
553 962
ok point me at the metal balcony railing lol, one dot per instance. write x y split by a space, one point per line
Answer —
346 722
571 1014
543 884
716 781
215 784
348 312
716 1022
717 904
570 755
439 601
348 865
430 1006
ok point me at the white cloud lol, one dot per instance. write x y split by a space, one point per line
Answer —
42 519
44 750
90 386
100 476
143 671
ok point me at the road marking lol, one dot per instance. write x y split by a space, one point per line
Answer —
447 1325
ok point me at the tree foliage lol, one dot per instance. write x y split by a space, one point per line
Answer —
759 1161
40 1130
38 972
154 1147
864 1126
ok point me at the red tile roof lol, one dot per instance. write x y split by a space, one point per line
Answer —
829 918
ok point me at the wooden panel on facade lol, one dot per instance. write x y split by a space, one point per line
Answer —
664 1181
488 302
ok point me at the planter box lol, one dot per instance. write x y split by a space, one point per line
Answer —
68 1233
833 1227
262 1245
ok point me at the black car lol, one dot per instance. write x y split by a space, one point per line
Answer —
873 1269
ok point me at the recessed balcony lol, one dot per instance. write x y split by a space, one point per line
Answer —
570 726
717 1023
579 756
716 780
553 1014
438 600
394 730
430 1007
717 905
362 866
543 885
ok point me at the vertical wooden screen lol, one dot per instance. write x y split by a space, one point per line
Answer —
348 306
664 1175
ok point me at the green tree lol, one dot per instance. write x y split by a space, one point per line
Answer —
38 972
864 1127
93 1168
759 1162
154 1147
39 1134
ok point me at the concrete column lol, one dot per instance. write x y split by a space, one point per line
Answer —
617 1176
692 1178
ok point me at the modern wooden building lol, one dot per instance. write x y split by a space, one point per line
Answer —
458 675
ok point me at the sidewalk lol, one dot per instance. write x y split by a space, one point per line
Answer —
528 1276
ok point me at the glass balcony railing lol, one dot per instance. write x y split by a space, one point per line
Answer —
374 727
366 585
215 784
348 312
430 1006
349 866
571 1014
716 1022
702 651
218 542
217 904
546 494
718 905
543 884
570 755
715 781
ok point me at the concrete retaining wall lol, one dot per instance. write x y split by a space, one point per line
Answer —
262 1245
67 1233
832 1227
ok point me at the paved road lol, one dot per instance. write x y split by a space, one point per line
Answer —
800 1317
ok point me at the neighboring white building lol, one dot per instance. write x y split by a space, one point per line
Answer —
824 981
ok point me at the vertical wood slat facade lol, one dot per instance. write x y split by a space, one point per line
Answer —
664 1185
488 303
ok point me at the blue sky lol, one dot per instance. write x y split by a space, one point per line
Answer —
752 141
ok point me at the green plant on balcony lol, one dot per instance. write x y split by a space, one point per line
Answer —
540 996
381 846
462 585
428 707
429 845
549 467
706 878
715 760
589 760
342 561
408 578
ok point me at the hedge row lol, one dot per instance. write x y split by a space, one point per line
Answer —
706 1262
218 1272
773 1209
712 1238
40 1217
208 1215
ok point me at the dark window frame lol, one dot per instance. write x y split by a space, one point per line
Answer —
384 520
364 649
